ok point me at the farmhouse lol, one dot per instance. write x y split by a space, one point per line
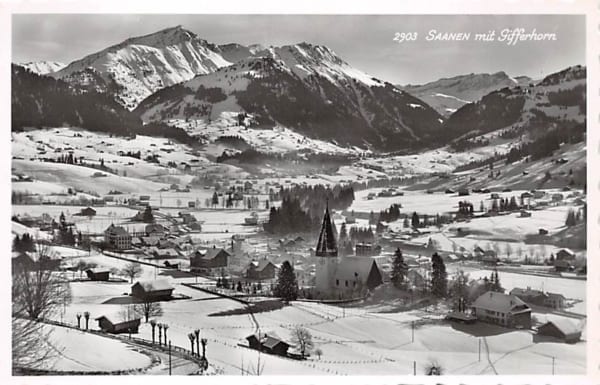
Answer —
152 290
565 254
108 326
260 270
561 328
212 259
268 343
502 309
87 212
98 274
529 295
116 237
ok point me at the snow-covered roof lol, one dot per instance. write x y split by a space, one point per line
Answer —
350 268
501 302
567 327
155 285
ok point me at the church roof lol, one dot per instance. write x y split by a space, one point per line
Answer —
327 244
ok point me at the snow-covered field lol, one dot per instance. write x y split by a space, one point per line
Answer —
83 352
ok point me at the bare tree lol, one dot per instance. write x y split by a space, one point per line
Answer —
303 339
148 309
132 270
37 293
319 352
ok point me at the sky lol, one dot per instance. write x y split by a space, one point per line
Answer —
365 41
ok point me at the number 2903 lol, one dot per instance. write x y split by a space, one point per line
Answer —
405 36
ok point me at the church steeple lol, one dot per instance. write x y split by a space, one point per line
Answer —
327 244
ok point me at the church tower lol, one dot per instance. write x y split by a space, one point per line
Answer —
327 252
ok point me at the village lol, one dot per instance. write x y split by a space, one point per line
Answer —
137 268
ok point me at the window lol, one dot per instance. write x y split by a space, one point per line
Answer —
337 282
346 283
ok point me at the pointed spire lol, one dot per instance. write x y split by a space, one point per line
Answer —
327 245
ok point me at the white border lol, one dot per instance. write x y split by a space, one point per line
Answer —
590 8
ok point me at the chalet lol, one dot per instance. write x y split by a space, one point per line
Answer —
87 212
157 290
268 343
212 259
366 249
165 253
108 326
155 230
561 328
98 274
565 254
116 237
554 301
260 270
502 309
529 295
562 265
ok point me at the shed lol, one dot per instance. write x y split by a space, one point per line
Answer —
268 343
98 275
156 290
561 328
108 326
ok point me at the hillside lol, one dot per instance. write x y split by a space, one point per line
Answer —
43 67
447 95
558 101
137 67
41 101
306 88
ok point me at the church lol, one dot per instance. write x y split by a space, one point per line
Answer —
342 277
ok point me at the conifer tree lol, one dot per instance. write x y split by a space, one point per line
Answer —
287 285
399 269
438 276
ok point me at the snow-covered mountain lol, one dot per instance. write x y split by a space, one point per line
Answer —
449 94
43 67
556 102
234 52
307 88
139 66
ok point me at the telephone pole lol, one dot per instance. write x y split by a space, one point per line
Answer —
412 323
552 365
480 350
169 357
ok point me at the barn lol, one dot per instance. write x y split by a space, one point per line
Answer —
268 343
259 270
211 259
561 328
108 326
157 290
98 275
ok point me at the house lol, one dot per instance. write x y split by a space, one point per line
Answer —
562 265
543 232
108 326
157 290
211 259
561 328
155 230
366 249
565 254
116 237
169 253
269 343
554 301
489 257
150 241
187 218
87 212
502 309
525 214
529 295
98 274
260 270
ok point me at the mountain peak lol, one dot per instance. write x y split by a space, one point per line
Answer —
164 38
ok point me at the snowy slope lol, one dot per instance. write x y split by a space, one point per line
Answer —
447 95
306 88
139 66
43 67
